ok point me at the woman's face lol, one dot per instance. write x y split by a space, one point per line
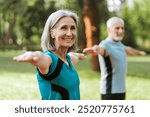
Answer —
64 33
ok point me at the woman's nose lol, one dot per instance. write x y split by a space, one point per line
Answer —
69 32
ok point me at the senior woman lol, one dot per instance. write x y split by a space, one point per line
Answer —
56 75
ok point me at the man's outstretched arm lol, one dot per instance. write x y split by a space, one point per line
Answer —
95 50
132 51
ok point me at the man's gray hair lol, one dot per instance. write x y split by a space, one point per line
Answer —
114 20
47 42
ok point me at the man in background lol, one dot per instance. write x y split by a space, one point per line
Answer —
112 58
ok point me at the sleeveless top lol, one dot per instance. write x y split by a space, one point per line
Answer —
113 67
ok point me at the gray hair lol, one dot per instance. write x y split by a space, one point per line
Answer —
47 42
114 20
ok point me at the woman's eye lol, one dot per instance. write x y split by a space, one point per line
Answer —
63 27
68 27
73 28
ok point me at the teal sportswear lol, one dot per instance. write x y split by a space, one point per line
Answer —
65 86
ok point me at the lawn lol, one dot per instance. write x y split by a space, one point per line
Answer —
18 80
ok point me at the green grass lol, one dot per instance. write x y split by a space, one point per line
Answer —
18 86
139 66
138 88
18 80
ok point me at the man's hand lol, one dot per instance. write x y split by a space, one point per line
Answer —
95 50
75 57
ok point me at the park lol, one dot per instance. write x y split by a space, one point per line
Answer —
20 32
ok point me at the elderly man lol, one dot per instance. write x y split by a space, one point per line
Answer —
112 57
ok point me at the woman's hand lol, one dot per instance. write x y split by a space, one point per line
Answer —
37 59
28 56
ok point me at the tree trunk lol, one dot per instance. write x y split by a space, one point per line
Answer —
91 22
82 38
8 38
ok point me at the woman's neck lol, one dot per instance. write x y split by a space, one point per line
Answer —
61 53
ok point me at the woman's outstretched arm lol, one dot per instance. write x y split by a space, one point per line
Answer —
37 58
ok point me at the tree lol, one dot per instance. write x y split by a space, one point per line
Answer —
33 20
9 12
137 22
91 21
129 38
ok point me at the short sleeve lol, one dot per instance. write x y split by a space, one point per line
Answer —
103 44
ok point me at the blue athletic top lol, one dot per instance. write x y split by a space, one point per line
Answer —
66 84
113 67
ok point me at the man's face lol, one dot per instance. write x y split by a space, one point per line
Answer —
116 31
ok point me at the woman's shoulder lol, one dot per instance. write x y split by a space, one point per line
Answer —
49 53
68 56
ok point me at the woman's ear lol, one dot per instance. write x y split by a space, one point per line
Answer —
52 33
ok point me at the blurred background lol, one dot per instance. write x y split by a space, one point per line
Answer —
21 26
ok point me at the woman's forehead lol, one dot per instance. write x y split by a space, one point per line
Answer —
65 21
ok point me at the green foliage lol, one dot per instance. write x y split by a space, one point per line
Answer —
35 17
143 16
104 15
31 15
103 30
137 22
9 12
